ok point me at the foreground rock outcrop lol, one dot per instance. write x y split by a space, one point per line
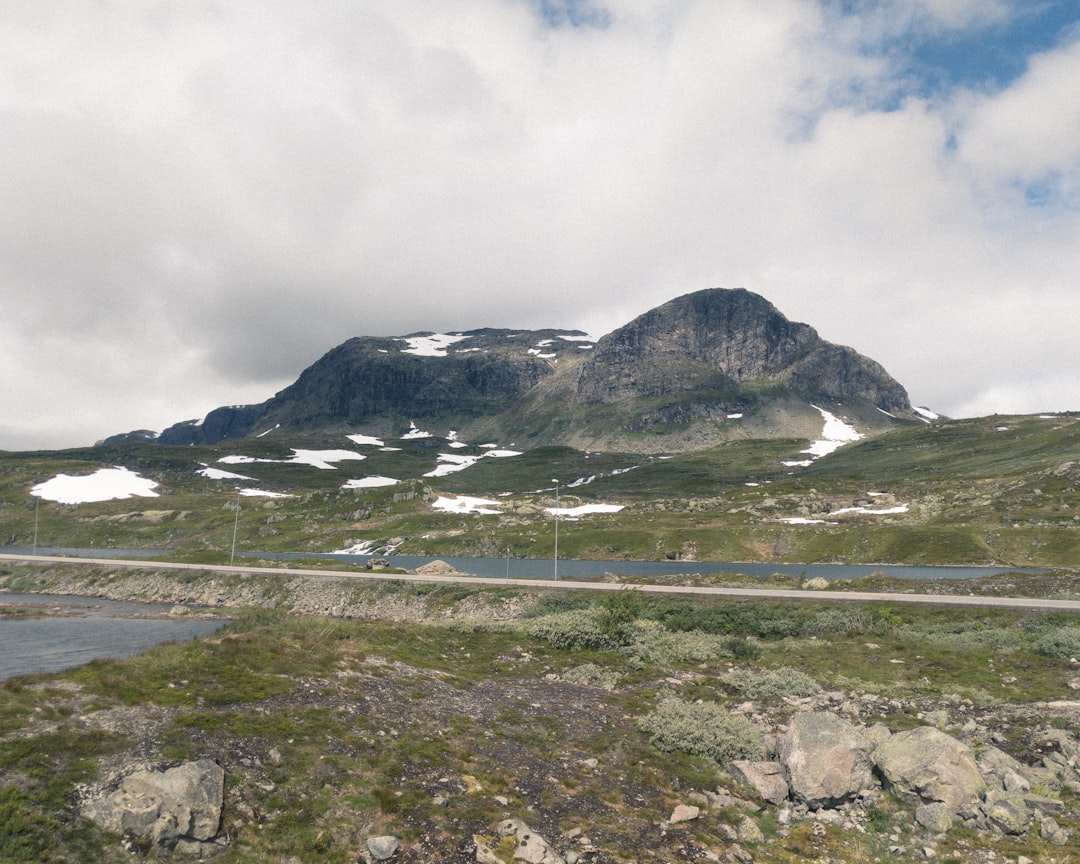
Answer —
177 809
825 764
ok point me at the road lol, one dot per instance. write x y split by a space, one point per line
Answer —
706 590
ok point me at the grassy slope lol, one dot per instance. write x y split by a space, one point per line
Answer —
990 490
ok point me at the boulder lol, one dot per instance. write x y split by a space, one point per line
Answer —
684 813
927 764
383 848
529 846
1052 832
765 778
1007 811
826 759
165 808
934 817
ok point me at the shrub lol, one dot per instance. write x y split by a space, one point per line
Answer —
617 613
701 729
839 621
592 676
775 683
651 643
1059 642
574 630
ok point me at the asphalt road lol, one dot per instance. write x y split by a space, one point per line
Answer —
574 585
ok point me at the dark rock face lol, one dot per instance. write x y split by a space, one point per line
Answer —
360 380
692 362
482 373
716 341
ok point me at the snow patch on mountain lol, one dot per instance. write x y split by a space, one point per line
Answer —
433 345
105 484
835 434
369 482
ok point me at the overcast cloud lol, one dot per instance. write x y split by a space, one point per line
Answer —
198 199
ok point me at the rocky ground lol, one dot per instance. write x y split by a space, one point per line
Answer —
454 742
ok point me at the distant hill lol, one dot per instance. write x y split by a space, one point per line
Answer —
705 367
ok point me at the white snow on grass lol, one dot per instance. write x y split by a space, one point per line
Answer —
541 354
221 474
801 520
582 510
465 504
315 458
884 511
434 345
105 484
835 434
451 463
268 431
324 459
415 432
261 493
369 482
366 439
925 413
734 416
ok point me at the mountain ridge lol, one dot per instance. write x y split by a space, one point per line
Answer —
704 367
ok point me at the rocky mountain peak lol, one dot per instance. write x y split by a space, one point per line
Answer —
718 340
673 378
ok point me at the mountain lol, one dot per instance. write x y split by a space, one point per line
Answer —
705 367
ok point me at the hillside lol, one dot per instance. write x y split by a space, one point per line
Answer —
707 367
997 490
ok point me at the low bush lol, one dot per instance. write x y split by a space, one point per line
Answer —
772 683
574 630
1059 642
701 729
651 643
591 675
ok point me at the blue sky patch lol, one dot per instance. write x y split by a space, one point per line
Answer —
572 13
932 61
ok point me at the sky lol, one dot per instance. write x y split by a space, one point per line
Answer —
200 198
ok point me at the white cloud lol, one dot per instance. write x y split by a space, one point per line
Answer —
200 199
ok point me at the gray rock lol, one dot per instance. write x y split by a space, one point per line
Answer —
927 764
531 847
749 831
825 758
164 807
935 817
765 778
684 813
1008 812
1052 832
383 848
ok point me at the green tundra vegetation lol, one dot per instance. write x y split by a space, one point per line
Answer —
577 714
996 490
565 710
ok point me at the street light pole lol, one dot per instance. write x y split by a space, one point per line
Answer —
235 524
556 482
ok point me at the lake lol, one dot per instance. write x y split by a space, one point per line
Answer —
86 629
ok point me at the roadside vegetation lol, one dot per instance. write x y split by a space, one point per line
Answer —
586 714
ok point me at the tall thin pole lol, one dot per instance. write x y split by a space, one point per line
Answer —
507 562
37 507
235 524
556 482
